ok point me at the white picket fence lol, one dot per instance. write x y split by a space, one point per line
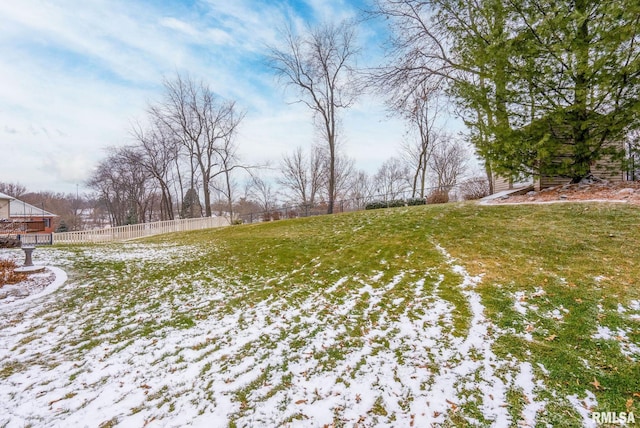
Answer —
133 231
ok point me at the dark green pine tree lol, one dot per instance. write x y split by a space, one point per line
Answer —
191 207
573 79
62 227
546 86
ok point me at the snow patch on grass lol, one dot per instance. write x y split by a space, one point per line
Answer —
627 347
368 349
584 407
479 366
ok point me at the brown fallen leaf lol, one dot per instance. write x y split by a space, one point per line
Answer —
596 384
453 405
550 338
303 401
629 404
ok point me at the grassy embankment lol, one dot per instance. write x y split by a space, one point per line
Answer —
552 278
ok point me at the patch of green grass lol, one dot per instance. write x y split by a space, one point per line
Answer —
110 423
11 367
560 250
379 408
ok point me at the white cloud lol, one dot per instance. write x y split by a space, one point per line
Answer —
75 74
69 168
176 24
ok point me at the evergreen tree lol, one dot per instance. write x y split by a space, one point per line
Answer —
62 227
545 86
191 207
583 82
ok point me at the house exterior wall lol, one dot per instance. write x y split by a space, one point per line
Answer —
4 208
35 224
500 184
605 169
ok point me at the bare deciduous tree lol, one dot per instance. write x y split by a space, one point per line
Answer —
263 193
420 110
203 123
448 163
13 189
392 179
301 175
157 151
361 189
319 65
230 161
344 167
124 186
425 51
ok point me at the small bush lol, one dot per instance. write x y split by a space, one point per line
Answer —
416 201
375 205
384 204
438 197
6 242
7 275
474 188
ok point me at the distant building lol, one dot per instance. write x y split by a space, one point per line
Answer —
18 216
4 206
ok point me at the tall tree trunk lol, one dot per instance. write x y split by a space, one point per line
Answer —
582 151
332 174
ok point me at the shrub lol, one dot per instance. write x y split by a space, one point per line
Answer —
384 204
438 197
6 242
395 203
416 201
474 188
7 275
375 205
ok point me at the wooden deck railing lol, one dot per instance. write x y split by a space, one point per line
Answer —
123 233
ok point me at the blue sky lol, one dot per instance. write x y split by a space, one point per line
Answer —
76 73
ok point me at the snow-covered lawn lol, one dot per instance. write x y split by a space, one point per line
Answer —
312 361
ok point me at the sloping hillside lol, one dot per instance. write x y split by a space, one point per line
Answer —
449 315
